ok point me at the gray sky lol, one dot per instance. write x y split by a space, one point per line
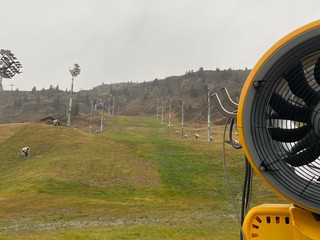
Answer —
140 40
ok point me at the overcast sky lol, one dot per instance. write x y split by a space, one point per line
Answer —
140 40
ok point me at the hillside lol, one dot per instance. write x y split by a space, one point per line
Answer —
135 180
128 98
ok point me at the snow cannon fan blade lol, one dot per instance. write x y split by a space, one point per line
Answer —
279 117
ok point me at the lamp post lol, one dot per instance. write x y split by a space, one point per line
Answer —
74 72
9 65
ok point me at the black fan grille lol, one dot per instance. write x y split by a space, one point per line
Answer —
285 123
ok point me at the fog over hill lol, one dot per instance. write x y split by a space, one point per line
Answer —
126 98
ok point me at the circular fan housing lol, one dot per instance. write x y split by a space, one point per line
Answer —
279 117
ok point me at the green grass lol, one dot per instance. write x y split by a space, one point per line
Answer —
135 180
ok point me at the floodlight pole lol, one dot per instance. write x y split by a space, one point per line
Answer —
70 104
74 72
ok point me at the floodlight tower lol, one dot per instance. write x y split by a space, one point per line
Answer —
74 72
9 65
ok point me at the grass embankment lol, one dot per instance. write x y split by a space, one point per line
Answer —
136 180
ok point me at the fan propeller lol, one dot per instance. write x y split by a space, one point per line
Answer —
305 150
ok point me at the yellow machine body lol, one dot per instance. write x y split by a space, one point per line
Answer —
275 221
248 84
280 221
